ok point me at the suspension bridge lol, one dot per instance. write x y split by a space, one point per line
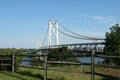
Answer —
53 39
94 48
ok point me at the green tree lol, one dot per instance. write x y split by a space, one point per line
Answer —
58 54
7 51
112 42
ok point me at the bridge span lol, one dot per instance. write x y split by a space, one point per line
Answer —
79 47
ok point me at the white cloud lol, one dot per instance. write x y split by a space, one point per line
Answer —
99 18
103 19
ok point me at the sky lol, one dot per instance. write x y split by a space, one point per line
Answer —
23 22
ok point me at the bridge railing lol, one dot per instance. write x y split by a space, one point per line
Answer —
46 63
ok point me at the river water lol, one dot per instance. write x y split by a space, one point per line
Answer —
81 59
88 59
26 63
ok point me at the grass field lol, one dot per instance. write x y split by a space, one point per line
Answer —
5 75
35 74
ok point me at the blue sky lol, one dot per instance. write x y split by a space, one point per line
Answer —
22 22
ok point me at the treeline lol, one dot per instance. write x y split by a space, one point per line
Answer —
4 52
11 51
112 44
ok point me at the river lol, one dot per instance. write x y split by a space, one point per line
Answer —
81 59
26 63
88 59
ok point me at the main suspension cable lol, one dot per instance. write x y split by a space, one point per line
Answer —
90 38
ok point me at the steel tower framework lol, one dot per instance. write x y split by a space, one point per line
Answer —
53 30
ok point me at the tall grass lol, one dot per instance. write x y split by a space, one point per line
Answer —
55 75
36 74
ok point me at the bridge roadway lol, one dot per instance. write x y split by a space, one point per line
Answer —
81 47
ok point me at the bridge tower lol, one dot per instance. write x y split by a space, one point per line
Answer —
38 44
53 30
